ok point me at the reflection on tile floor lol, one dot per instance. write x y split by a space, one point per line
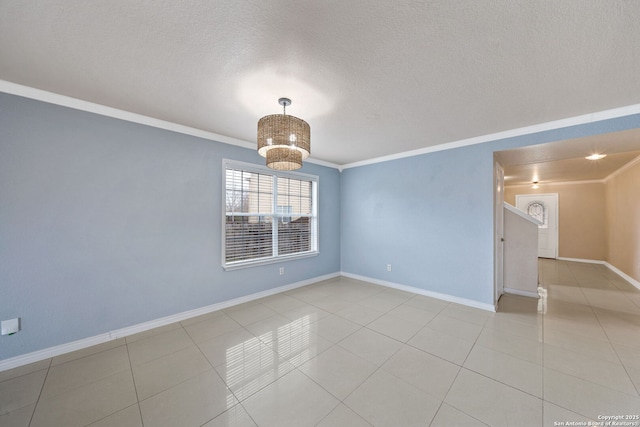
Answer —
349 353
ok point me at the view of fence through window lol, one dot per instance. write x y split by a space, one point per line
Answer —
267 215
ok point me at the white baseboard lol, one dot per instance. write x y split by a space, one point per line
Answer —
46 353
624 275
419 291
587 261
521 292
611 267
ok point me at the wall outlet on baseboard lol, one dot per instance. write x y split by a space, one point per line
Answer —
388 267
10 327
282 271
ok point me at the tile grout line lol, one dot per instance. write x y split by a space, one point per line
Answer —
135 387
543 326
418 349
582 379
35 407
543 351
213 369
460 368
378 368
453 382
607 335
624 366
157 358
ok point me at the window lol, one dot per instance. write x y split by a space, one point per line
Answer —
268 215
540 212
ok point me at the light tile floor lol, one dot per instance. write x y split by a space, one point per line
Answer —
349 353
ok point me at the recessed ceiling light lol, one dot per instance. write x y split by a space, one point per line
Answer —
596 157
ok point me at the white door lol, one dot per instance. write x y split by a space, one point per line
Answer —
498 226
544 208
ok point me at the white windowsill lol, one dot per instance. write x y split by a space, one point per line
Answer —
264 261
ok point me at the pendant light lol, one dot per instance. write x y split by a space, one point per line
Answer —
284 140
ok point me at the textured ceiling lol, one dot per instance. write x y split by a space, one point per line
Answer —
371 78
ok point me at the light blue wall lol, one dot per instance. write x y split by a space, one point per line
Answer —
106 224
431 216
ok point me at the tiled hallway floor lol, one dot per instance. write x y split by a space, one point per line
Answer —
348 353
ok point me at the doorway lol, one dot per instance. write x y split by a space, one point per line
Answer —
498 228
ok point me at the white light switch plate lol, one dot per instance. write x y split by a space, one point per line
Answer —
10 326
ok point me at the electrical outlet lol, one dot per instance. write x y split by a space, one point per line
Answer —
388 267
10 327
282 271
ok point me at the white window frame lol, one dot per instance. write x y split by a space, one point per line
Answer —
250 167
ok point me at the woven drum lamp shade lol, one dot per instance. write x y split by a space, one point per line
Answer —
284 159
284 140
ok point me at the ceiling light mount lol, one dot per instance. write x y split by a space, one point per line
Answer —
285 102
596 156
284 140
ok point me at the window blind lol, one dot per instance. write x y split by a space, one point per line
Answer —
268 215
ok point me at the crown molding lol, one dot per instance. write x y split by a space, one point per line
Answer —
527 130
629 165
590 181
78 104
91 107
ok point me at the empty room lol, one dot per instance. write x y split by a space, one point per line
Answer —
417 213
